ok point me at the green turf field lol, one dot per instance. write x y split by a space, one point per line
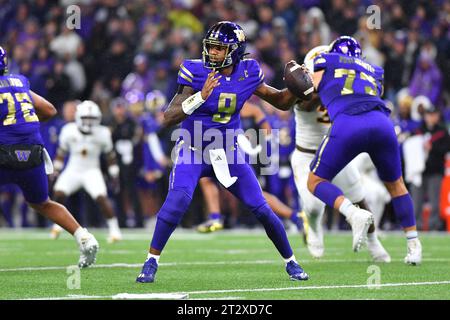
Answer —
222 265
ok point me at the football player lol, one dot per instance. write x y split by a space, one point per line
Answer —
23 159
85 140
211 94
350 88
312 123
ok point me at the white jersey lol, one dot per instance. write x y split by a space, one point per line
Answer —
85 149
311 127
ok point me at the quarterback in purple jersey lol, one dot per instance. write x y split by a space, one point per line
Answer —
350 88
24 161
210 96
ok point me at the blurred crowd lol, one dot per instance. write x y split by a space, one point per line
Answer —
126 50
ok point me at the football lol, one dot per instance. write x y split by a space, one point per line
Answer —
298 80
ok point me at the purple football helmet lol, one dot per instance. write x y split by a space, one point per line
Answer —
3 61
346 45
155 101
227 34
135 99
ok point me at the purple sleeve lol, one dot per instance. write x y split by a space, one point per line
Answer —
323 61
257 71
185 76
25 81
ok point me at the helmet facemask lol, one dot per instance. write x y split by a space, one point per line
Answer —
226 62
88 123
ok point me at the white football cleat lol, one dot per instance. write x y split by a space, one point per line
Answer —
314 236
88 251
114 236
414 256
360 222
55 232
377 251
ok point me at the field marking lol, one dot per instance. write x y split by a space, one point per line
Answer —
353 286
399 284
151 296
136 265
210 263
78 297
190 234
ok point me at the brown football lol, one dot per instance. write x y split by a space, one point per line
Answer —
298 80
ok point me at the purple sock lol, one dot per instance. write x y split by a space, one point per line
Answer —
294 217
163 230
215 216
327 192
404 210
274 230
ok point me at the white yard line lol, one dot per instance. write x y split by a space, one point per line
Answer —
401 284
136 265
208 263
384 285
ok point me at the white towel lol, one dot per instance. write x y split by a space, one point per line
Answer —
48 163
220 166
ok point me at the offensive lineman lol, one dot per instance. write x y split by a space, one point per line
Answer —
350 89
24 161
312 124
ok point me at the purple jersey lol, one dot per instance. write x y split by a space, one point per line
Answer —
349 85
19 123
221 110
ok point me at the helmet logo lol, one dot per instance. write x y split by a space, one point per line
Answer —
240 35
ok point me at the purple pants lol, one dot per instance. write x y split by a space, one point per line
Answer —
184 177
33 182
350 135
